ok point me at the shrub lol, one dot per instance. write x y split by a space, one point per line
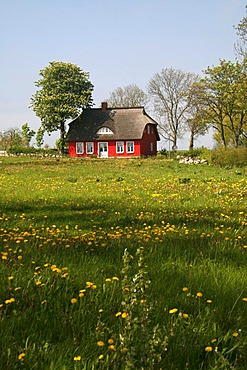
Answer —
229 157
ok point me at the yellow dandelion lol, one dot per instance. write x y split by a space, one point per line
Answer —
199 294
185 315
213 340
124 315
208 349
100 310
21 356
235 334
107 280
110 341
73 300
8 301
209 301
101 357
11 277
118 314
115 278
112 347
38 283
81 295
173 310
100 343
77 358
245 299
185 289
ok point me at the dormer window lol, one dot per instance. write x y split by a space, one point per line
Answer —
105 131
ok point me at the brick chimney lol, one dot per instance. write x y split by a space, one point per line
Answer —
104 106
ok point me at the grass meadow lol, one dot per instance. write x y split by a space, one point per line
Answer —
122 264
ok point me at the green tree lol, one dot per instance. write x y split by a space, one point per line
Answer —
128 96
26 134
11 138
40 137
64 91
223 91
169 91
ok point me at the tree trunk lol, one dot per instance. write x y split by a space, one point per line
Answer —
222 134
191 145
62 137
174 140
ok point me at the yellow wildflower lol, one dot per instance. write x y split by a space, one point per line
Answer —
100 343
73 300
174 310
208 349
21 356
112 347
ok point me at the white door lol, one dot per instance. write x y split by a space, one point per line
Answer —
103 150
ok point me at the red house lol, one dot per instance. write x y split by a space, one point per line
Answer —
113 132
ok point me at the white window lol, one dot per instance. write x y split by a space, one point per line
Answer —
79 148
104 130
119 147
148 127
151 147
89 148
130 146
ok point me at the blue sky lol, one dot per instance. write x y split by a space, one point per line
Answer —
118 42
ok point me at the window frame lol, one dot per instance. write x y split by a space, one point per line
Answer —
81 143
132 143
92 145
122 147
104 131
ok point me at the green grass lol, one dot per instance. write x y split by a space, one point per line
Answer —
65 223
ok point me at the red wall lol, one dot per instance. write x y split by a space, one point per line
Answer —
146 141
141 147
111 149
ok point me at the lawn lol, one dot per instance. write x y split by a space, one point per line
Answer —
122 264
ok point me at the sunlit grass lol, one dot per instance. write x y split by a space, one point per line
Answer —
64 227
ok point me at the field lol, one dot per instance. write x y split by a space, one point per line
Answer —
122 264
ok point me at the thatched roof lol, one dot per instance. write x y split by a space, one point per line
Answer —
125 123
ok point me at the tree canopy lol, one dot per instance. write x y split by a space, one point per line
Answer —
169 91
223 93
241 45
128 96
64 91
